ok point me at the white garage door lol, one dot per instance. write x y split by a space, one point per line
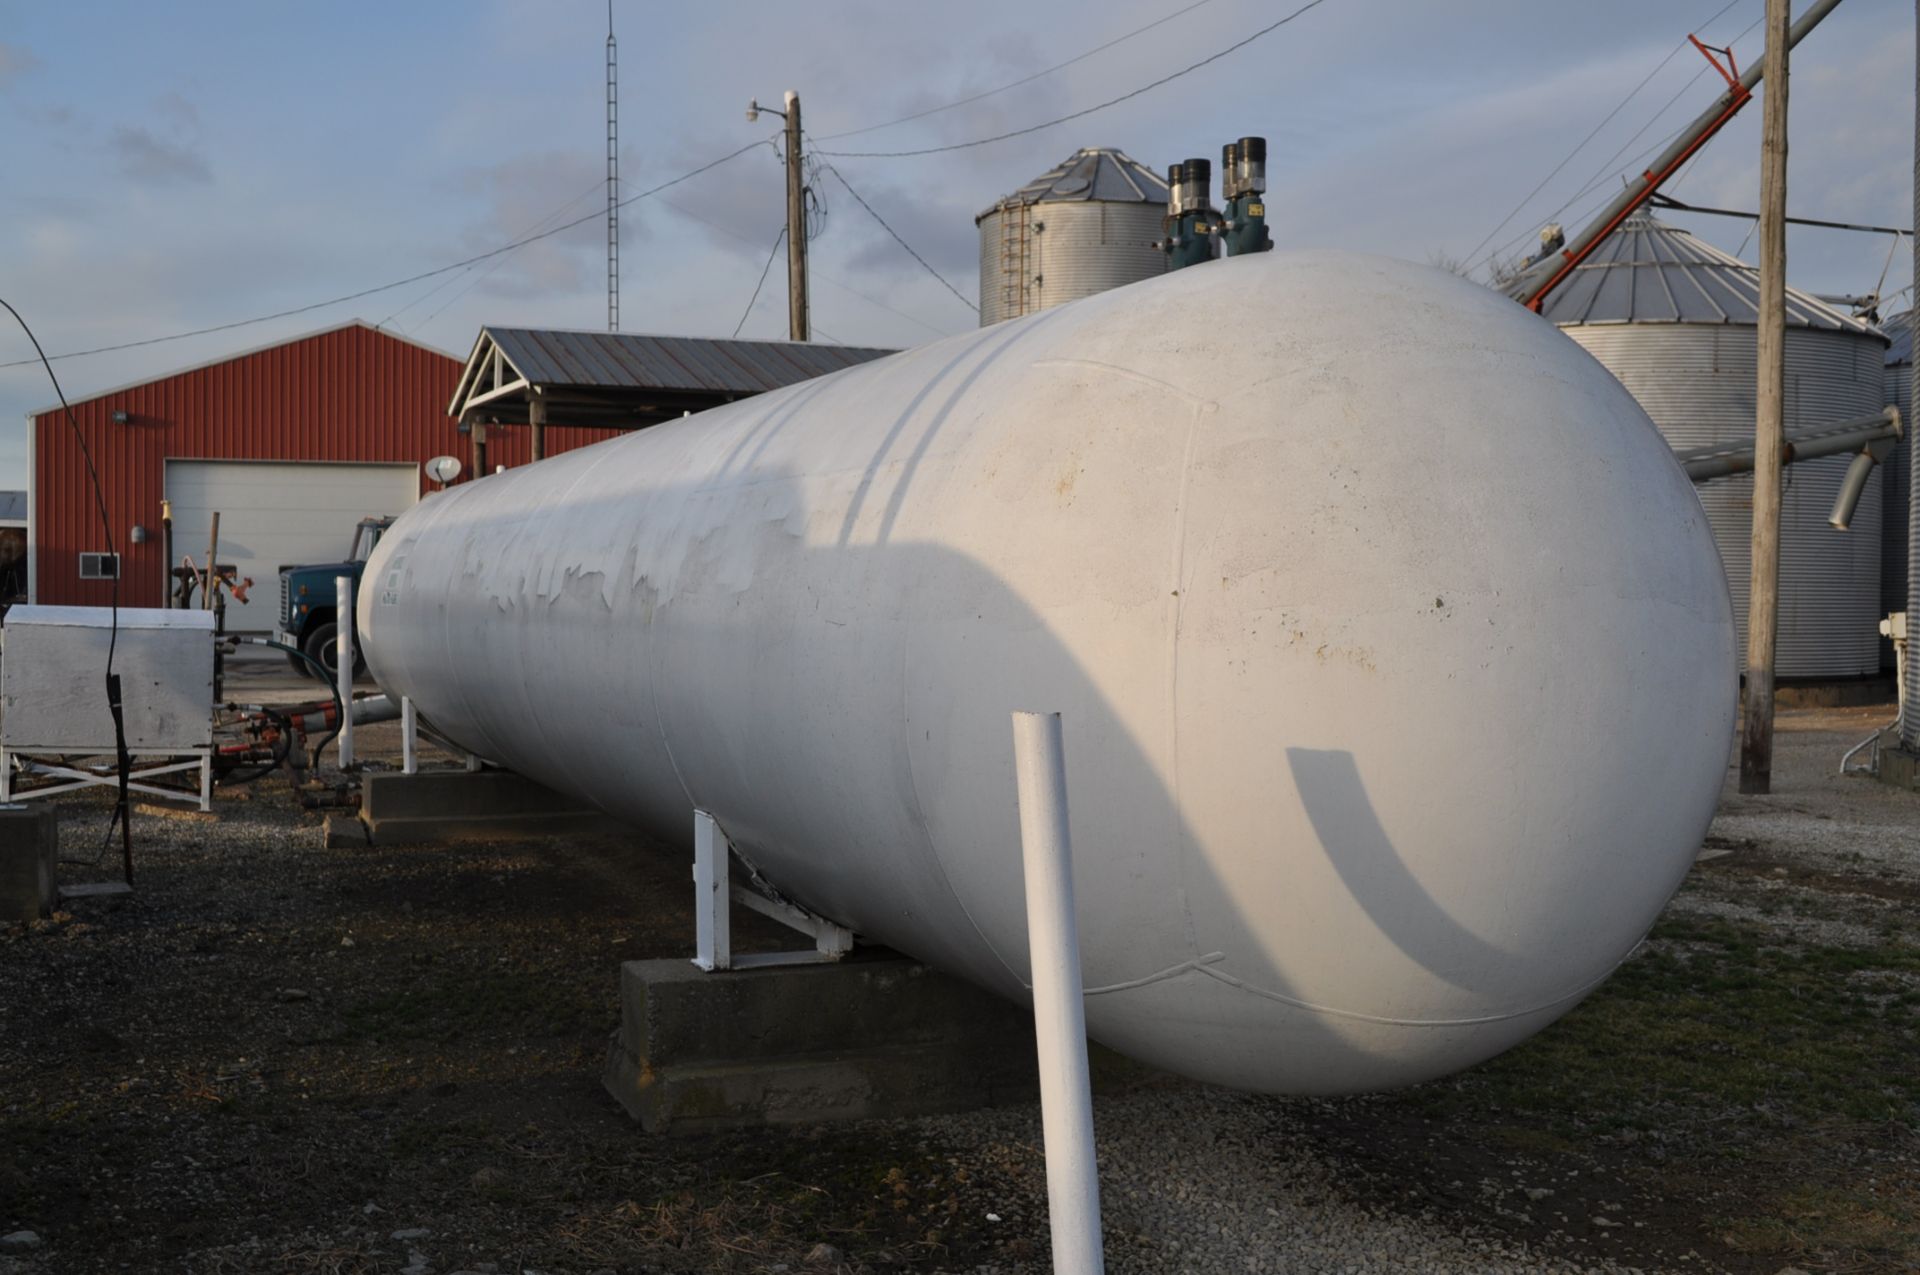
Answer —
274 513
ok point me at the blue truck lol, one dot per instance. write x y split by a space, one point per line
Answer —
308 617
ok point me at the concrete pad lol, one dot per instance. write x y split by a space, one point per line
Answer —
851 1040
1899 765
458 805
29 861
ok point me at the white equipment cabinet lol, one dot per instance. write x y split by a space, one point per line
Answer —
53 699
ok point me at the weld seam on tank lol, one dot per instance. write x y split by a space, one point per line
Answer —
1172 971
1388 1021
938 864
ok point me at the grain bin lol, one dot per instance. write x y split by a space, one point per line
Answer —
1088 225
1895 486
1676 320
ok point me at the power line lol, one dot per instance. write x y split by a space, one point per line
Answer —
1014 84
401 283
453 279
1607 168
903 243
685 211
1474 252
1080 114
755 298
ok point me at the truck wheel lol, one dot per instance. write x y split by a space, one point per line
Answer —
320 646
299 666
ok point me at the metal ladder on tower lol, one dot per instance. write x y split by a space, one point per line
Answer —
1013 258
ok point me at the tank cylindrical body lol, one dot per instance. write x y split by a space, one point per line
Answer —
1089 225
1674 318
1395 704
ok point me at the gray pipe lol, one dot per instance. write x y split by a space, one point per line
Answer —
1705 463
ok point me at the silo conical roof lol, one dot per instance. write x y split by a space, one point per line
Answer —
1650 272
1102 173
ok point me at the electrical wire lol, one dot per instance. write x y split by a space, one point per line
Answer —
495 264
764 272
123 760
492 266
1027 79
903 243
1081 114
821 275
1474 252
1607 167
522 242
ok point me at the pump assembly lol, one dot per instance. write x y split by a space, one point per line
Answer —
1195 231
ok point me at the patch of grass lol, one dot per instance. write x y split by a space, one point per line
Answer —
1716 1019
1866 1226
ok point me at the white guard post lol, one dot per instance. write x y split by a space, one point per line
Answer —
714 894
1059 1014
343 647
409 737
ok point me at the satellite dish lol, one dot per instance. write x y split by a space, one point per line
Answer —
443 469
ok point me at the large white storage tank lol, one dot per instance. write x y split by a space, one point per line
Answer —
1676 320
1081 228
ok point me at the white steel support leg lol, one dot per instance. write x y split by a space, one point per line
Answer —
712 921
343 647
206 780
6 777
409 737
1059 1013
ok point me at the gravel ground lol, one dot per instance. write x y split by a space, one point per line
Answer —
288 1058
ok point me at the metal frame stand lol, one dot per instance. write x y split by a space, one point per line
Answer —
168 763
714 895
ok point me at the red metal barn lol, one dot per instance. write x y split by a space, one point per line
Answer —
292 444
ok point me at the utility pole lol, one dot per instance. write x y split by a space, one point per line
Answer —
1756 740
796 215
796 225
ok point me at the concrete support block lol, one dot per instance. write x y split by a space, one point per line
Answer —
29 860
458 805
1899 765
851 1040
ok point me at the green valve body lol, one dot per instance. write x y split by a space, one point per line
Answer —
1192 240
1245 227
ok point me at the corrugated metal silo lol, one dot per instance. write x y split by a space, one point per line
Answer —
1081 228
1896 486
1676 320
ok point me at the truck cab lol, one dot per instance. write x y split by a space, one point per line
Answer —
308 617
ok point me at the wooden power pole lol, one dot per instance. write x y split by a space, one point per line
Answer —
796 225
1763 609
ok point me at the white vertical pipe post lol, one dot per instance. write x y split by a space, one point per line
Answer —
343 648
1059 1015
409 737
712 895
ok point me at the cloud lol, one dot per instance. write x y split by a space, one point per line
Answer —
158 161
15 61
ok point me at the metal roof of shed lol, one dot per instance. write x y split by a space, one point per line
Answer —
632 379
1650 272
1102 173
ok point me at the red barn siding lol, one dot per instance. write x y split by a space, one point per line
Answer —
350 394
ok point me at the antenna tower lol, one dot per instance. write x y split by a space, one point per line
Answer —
613 176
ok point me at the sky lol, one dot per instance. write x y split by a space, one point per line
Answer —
174 167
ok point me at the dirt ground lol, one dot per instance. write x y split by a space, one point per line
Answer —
281 1057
